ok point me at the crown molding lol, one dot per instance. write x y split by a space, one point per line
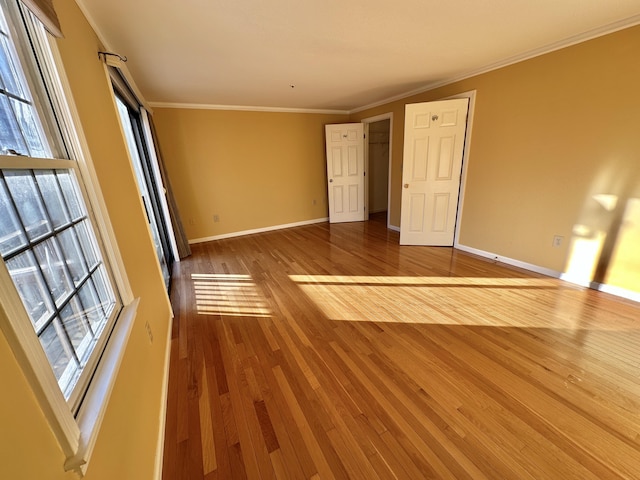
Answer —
245 108
552 47
567 42
106 45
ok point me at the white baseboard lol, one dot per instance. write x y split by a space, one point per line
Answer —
394 228
602 287
617 291
511 261
258 230
163 406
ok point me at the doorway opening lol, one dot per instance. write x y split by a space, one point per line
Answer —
378 185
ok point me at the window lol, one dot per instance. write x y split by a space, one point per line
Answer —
47 240
50 251
56 282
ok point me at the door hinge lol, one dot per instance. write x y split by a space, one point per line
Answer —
364 173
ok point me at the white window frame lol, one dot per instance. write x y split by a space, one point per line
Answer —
77 433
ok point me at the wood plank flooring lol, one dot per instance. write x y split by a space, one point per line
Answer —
329 351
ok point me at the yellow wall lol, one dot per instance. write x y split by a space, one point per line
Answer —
550 133
253 169
126 445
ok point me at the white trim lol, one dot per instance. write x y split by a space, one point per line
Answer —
258 230
394 228
552 47
16 162
578 281
85 164
246 108
378 118
365 149
510 261
108 47
536 52
601 287
132 167
76 436
471 95
17 327
94 405
45 13
94 25
617 291
159 183
163 405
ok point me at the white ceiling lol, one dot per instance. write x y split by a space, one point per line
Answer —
338 54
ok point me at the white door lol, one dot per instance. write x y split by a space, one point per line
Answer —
432 165
345 172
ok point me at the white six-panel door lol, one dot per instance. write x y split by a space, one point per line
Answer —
432 163
345 172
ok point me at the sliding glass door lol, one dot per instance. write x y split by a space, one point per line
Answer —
149 190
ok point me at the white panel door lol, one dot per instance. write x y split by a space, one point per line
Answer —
432 165
345 172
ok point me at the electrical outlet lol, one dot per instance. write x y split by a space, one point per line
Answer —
557 241
216 218
149 332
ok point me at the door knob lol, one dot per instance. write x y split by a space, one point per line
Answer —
406 185
331 180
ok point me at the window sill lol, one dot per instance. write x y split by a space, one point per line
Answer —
91 414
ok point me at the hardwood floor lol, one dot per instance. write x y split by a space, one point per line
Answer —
329 351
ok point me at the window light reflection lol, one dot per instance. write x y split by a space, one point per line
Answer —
496 302
230 295
624 270
453 281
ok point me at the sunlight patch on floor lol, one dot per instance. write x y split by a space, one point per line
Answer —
230 295
452 281
476 301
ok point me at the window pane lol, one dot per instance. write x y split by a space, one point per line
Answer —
52 197
47 239
11 235
71 195
7 70
96 314
53 268
73 255
25 115
77 329
34 293
87 244
10 135
105 293
60 355
28 202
